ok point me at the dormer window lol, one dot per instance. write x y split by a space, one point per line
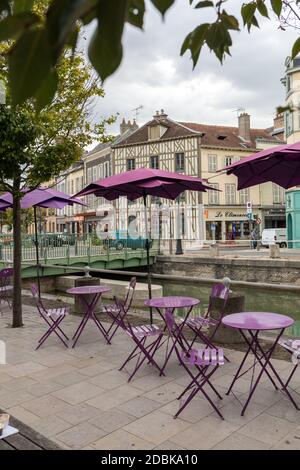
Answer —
221 137
156 131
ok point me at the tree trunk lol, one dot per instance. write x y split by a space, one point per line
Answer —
17 298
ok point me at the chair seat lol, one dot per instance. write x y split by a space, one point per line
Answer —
109 308
292 345
143 330
6 288
58 312
204 357
199 322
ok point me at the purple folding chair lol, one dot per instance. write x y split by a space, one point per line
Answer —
197 324
6 286
114 312
140 334
200 365
53 317
292 345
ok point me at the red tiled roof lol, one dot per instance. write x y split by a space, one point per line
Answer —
218 136
212 134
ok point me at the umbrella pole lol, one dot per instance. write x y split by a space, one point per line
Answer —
37 251
148 255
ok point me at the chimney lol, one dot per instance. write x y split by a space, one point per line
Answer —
128 126
160 115
244 126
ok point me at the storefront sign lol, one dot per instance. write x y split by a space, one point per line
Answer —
220 215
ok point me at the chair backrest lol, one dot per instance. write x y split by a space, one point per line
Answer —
122 319
130 293
38 301
218 291
6 277
203 357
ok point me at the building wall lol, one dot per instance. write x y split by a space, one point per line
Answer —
70 217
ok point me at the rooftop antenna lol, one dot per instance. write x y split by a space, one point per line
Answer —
137 111
239 111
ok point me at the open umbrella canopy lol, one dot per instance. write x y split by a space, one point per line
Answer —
42 197
144 181
280 164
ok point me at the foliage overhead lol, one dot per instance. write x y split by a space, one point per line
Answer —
41 40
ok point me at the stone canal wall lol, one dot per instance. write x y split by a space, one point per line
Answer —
278 271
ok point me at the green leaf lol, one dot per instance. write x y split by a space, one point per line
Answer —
277 6
195 41
248 11
162 5
20 6
12 26
105 48
296 48
61 21
136 11
218 40
47 90
205 3
261 6
229 21
29 63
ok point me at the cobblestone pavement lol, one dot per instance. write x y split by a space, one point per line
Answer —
79 399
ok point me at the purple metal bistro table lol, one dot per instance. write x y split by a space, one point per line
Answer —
253 323
166 306
96 292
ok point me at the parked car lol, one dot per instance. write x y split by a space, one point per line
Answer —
121 239
271 236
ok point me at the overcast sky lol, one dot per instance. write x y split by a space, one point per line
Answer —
154 75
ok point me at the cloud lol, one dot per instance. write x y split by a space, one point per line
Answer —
154 75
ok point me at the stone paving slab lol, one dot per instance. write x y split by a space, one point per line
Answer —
80 400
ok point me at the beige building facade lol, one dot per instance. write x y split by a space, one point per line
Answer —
202 150
291 82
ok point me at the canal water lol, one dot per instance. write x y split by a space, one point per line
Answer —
281 301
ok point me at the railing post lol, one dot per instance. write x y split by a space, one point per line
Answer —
89 250
68 254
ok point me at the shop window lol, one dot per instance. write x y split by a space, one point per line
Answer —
213 196
212 163
230 193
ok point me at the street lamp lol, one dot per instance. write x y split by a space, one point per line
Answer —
179 250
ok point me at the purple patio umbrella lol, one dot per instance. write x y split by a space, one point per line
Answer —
40 197
141 183
280 164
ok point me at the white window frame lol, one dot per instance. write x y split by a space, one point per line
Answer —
228 160
181 167
212 163
213 196
128 167
244 196
230 194
278 194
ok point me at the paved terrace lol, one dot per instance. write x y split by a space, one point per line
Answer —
79 399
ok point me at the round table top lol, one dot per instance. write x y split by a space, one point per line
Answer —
257 321
172 302
88 290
